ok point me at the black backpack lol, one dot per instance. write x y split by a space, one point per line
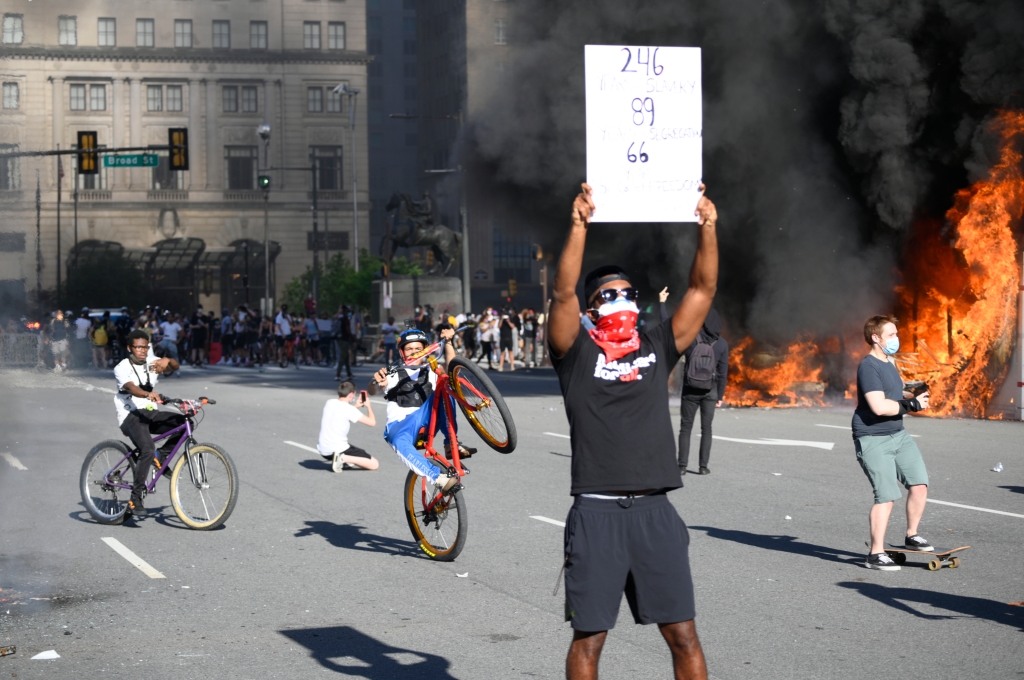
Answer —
700 366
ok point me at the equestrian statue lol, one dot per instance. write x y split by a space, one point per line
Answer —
411 223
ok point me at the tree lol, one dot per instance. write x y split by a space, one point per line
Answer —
107 281
340 283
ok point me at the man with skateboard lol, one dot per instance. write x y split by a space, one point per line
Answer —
885 451
622 533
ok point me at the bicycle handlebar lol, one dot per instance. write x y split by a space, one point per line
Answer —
393 368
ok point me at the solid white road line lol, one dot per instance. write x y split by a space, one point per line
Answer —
555 434
844 427
971 507
132 558
303 447
779 442
548 519
15 463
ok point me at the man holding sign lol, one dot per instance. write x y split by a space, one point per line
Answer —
622 534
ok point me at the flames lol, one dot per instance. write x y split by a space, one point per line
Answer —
957 308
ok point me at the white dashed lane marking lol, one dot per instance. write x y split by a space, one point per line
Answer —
548 519
302 446
15 463
972 507
132 558
555 434
779 442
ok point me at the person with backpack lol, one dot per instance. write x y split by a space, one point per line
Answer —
704 378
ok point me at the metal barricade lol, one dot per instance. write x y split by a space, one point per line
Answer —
20 349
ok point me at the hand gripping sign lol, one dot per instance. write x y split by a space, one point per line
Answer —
643 132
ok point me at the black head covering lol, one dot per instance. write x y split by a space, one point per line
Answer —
712 324
601 276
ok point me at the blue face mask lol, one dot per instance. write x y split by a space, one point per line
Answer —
892 345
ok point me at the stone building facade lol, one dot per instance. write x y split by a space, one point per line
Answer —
131 70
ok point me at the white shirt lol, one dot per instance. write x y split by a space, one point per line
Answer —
82 328
389 330
127 372
334 426
282 321
171 330
323 325
396 412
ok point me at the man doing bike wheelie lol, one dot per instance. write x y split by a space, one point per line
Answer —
409 392
136 402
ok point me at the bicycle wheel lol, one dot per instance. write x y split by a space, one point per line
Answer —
204 494
107 504
440 531
488 414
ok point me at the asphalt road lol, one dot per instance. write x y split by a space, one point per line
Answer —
316 575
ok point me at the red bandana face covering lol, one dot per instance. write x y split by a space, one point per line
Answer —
616 331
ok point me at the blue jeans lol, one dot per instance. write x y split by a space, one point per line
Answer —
390 353
401 435
169 347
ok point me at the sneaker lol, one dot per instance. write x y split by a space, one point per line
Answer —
464 451
136 508
338 464
882 562
682 470
916 542
704 471
444 483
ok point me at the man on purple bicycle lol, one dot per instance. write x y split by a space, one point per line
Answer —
137 404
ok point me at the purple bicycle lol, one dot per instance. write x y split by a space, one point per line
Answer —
203 481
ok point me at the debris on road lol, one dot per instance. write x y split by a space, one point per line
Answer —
463 575
48 654
998 467
7 651
788 517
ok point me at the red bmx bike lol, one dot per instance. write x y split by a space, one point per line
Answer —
439 521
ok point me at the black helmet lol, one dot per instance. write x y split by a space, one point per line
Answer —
412 335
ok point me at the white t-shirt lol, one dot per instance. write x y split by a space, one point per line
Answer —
171 330
324 325
396 412
127 372
282 321
389 330
82 328
334 426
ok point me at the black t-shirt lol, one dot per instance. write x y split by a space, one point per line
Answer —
529 326
619 424
875 375
505 330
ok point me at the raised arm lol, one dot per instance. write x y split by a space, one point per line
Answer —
564 317
689 316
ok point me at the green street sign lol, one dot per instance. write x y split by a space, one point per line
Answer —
137 160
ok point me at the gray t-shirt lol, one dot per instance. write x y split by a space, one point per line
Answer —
875 375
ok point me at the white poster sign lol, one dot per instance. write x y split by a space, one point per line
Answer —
643 132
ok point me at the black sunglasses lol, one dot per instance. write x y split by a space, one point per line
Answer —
613 294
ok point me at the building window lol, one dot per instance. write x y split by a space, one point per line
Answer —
376 90
14 31
375 46
336 35
77 98
410 92
409 69
98 97
174 98
240 162
106 33
67 30
155 98
315 100
144 33
97 181
409 48
511 257
250 100
12 99
374 25
409 25
333 101
183 33
10 169
411 139
258 35
222 34
500 31
162 177
328 167
375 69
230 99
311 35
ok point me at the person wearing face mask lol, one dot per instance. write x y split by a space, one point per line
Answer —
622 534
886 453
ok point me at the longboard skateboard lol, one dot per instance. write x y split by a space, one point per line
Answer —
940 557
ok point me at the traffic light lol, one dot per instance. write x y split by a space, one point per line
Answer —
88 163
264 182
511 287
178 137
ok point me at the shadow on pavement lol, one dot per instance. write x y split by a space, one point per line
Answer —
963 606
314 464
1014 489
788 544
355 537
345 650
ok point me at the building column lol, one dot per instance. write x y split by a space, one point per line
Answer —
118 109
197 141
136 179
213 150
58 122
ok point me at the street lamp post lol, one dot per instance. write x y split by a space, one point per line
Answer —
351 93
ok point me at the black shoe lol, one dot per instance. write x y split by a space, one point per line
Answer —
916 542
136 508
882 562
682 470
703 471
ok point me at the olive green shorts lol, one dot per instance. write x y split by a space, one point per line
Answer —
888 459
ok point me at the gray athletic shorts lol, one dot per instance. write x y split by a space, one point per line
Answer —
641 550
889 460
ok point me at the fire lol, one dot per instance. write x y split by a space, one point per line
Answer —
765 378
959 299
